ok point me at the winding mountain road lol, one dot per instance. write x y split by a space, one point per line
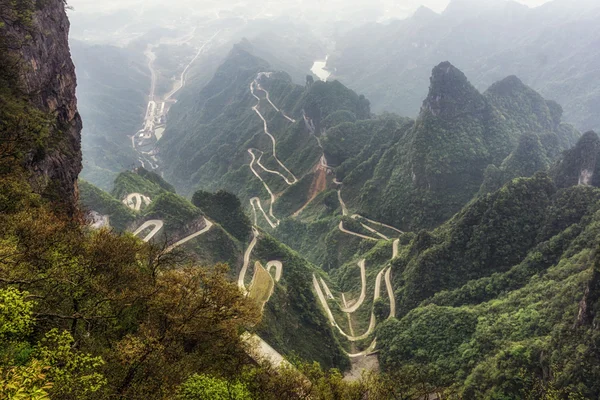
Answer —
378 223
385 273
321 288
247 255
363 289
156 223
266 131
358 216
259 87
327 309
270 170
134 201
257 200
344 230
278 269
192 236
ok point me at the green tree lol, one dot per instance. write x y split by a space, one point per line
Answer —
202 387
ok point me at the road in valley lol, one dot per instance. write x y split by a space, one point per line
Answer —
153 124
181 82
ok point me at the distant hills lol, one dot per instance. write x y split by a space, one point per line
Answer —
488 40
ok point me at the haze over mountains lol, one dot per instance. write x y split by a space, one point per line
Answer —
487 40
298 199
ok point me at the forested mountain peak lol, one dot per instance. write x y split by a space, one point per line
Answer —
512 96
283 228
450 93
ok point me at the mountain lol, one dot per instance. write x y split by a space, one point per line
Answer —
505 288
292 323
457 252
433 168
113 86
488 40
47 141
211 132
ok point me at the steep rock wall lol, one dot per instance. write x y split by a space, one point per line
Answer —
47 77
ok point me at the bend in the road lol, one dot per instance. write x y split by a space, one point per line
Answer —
247 255
266 130
363 289
207 227
278 269
257 200
344 230
258 161
156 223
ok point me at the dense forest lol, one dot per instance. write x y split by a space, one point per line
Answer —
458 249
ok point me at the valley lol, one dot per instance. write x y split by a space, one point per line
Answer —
155 119
219 201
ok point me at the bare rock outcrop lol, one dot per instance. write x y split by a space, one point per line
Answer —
47 78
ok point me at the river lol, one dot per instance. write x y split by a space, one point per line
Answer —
319 69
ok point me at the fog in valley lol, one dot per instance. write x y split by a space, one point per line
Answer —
300 199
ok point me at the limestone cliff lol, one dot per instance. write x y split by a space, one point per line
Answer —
37 35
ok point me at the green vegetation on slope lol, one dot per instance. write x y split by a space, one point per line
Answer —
292 319
94 199
501 296
139 181
226 209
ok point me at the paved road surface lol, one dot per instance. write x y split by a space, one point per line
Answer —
396 244
192 236
270 170
247 255
363 289
341 228
373 321
261 351
266 131
259 87
278 269
137 204
257 200
156 223
390 290
181 83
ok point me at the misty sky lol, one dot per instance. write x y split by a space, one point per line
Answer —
107 5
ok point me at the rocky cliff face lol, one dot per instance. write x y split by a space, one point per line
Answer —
47 77
581 164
